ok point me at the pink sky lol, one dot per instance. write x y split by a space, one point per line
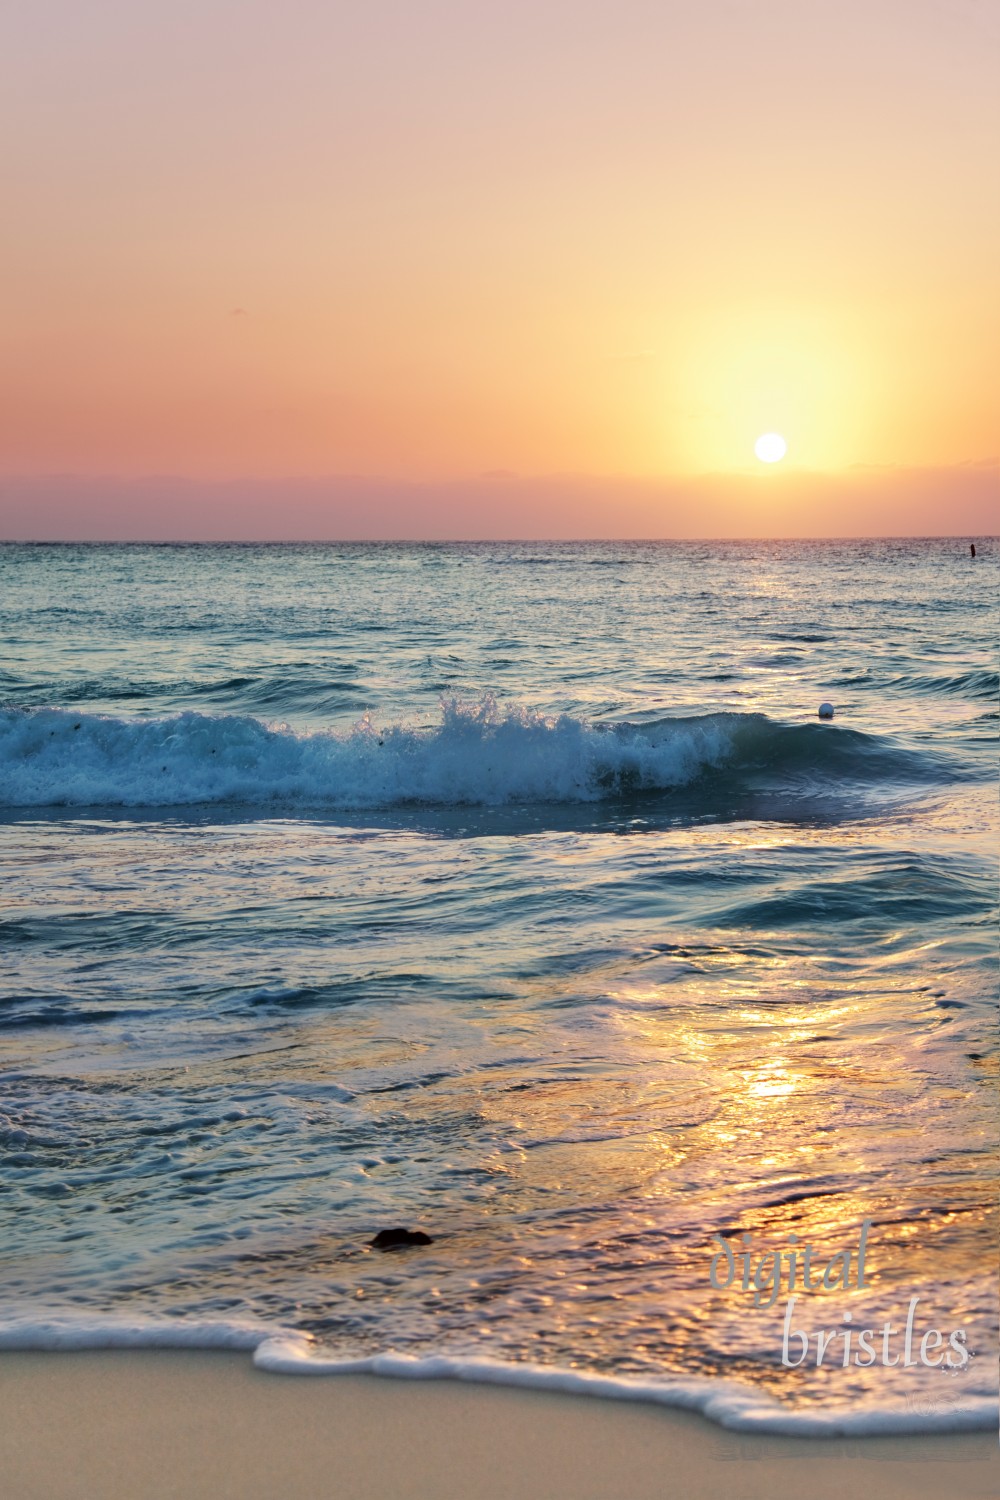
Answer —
960 501
423 244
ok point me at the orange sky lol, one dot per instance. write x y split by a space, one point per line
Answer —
423 243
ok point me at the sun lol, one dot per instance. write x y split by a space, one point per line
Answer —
770 447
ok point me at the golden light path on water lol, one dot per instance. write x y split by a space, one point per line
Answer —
764 1050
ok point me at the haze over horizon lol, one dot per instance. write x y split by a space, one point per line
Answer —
862 503
445 272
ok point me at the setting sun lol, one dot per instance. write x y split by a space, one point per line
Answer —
770 447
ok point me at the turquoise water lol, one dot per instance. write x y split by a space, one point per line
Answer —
515 893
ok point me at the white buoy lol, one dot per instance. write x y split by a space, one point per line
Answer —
826 710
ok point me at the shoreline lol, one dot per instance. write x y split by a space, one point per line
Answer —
210 1425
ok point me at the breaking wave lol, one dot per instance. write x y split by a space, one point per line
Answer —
480 754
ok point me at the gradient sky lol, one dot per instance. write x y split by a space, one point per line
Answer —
437 268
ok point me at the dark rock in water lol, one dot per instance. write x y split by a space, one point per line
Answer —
390 1239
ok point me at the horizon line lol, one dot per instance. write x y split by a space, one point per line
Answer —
500 541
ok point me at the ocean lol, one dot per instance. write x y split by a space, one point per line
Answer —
516 894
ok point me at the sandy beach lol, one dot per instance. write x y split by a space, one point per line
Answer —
209 1426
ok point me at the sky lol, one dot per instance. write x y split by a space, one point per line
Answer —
458 269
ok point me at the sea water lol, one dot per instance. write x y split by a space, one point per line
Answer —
514 893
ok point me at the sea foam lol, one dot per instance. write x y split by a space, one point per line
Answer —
288 1352
481 753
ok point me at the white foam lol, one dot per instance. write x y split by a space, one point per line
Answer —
288 1352
480 753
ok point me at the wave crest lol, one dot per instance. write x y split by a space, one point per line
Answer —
480 754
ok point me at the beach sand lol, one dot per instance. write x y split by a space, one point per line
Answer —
209 1426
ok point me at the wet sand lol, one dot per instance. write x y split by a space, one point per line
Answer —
147 1425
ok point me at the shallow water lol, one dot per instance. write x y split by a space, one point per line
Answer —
513 892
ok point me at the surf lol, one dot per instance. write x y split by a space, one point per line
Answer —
481 753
